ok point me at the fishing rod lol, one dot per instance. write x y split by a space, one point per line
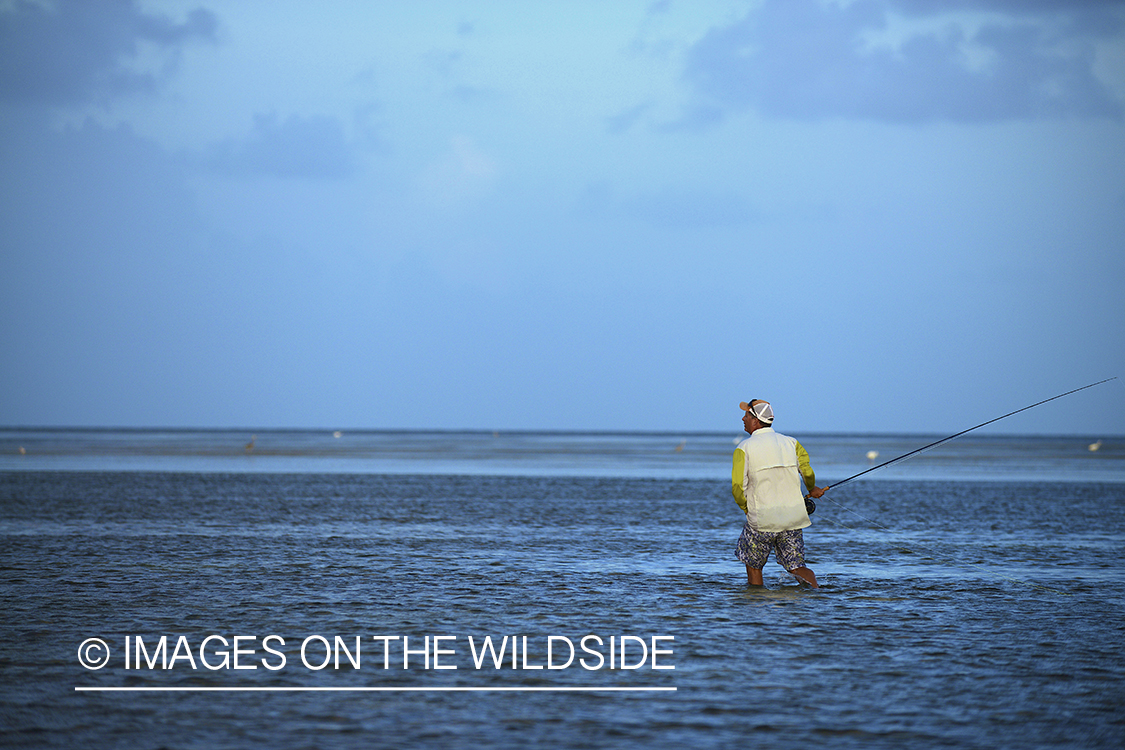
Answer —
808 500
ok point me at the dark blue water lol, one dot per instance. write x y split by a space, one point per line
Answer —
976 603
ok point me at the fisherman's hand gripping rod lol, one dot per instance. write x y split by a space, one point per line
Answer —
810 506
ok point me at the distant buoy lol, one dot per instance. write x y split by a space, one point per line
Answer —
872 455
1094 446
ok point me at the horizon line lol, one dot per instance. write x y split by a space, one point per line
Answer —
524 431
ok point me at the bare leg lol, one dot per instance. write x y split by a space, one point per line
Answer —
804 574
754 575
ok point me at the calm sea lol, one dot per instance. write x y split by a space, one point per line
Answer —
406 589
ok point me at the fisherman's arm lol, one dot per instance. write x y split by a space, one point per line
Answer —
737 477
805 467
807 473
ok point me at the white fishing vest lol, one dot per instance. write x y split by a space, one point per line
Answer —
771 482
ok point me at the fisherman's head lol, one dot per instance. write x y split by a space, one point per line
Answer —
759 413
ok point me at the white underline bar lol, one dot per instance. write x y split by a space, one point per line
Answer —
373 689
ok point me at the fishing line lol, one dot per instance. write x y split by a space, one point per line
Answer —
932 445
962 432
938 557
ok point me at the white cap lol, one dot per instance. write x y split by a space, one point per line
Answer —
761 410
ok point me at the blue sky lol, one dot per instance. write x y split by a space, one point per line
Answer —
881 215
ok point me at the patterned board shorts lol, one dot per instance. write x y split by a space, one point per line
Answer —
788 547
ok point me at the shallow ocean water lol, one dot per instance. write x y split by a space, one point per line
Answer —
955 611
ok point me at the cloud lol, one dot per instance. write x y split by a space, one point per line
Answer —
1014 7
668 207
74 51
303 147
625 120
806 59
463 175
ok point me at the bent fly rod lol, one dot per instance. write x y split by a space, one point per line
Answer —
903 457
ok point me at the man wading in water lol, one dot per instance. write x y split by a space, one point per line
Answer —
766 482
